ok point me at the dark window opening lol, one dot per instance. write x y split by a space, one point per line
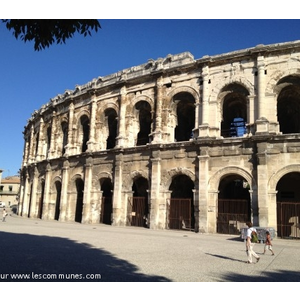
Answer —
112 122
234 117
185 116
64 128
288 110
85 123
145 121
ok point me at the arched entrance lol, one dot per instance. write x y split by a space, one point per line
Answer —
79 201
181 206
234 208
106 204
288 206
139 204
57 201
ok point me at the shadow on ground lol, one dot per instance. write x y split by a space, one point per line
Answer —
32 258
278 276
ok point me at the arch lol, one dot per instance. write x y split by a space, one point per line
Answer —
84 132
274 179
183 89
144 121
138 207
79 185
58 188
214 181
216 93
180 208
106 187
142 97
183 110
288 104
168 176
233 100
112 126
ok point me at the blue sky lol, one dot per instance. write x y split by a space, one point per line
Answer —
29 79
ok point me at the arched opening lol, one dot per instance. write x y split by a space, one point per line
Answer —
85 127
181 206
57 200
288 206
112 123
234 207
288 105
145 121
234 117
48 140
79 201
138 208
41 200
185 116
64 129
106 204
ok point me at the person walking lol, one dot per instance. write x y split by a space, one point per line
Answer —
4 214
268 243
249 245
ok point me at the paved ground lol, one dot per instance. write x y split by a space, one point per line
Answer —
38 250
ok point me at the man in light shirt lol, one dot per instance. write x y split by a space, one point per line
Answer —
249 246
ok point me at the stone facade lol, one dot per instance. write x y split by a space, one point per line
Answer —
206 130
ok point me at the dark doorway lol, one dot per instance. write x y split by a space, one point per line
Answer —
181 206
57 201
106 204
288 206
79 201
233 205
139 205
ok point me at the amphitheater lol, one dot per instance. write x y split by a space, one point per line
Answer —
176 143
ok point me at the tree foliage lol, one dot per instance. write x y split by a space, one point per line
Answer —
44 33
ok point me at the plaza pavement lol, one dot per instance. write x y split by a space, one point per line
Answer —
35 250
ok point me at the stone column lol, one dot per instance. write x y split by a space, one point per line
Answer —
155 198
40 155
31 154
86 211
25 197
33 200
46 213
51 151
204 127
262 124
70 146
260 208
64 191
117 194
91 142
120 140
201 217
158 114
